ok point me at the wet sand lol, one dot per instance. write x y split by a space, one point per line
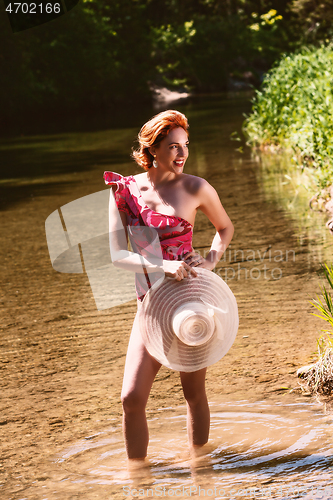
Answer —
62 360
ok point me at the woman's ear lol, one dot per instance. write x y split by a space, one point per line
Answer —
152 151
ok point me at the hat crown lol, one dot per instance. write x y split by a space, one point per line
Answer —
190 324
193 323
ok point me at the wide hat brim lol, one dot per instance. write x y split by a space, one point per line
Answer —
159 307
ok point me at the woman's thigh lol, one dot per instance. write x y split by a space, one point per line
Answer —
140 367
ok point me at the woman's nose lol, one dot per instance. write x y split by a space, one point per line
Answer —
182 151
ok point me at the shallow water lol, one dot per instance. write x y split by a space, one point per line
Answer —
291 188
261 449
63 359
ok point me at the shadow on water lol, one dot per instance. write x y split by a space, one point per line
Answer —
32 165
44 156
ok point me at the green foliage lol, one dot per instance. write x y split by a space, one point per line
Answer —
102 53
81 60
111 51
170 44
294 109
318 377
313 20
324 305
265 29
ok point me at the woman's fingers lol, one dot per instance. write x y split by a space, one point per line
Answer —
179 275
196 262
193 259
189 255
178 270
193 271
184 270
189 269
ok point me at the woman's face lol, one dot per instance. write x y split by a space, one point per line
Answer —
172 152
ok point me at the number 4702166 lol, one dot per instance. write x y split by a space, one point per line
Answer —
33 8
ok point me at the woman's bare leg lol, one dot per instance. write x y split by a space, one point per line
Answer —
139 374
198 416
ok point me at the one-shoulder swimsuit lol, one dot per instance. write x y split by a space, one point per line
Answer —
174 233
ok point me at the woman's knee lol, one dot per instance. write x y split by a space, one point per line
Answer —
195 398
133 401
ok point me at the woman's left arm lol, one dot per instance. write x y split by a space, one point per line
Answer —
210 205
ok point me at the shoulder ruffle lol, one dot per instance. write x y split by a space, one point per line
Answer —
121 194
114 179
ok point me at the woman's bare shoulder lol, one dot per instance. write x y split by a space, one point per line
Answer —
193 184
204 192
141 179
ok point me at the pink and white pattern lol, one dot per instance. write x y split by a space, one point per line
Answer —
175 233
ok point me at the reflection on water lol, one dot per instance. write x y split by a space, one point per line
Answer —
255 450
291 188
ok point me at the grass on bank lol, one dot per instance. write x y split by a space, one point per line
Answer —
318 378
294 111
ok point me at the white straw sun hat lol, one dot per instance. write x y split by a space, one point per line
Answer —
190 324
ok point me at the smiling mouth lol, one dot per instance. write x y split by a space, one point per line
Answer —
179 163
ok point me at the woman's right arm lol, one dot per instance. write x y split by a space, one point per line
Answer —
123 258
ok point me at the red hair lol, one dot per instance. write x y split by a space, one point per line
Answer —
154 131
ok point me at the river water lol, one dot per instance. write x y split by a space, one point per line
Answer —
255 450
63 440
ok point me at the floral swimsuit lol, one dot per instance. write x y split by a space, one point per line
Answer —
174 233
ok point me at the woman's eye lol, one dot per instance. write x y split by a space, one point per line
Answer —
176 147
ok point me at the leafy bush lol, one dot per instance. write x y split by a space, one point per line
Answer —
294 109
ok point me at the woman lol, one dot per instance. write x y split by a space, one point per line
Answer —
166 198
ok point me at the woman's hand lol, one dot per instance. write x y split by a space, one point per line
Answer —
194 259
177 269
